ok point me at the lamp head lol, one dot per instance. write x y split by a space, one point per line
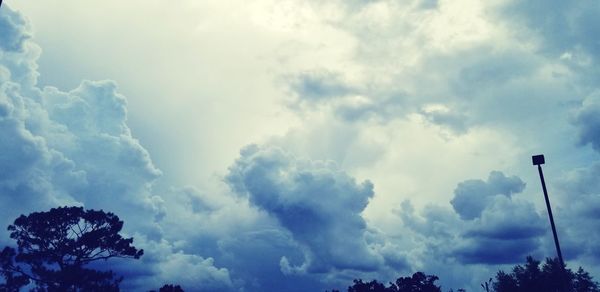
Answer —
538 159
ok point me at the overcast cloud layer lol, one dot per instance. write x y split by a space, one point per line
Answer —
297 145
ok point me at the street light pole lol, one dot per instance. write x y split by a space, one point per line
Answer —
539 160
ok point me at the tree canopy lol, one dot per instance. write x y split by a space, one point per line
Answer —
55 247
549 277
529 277
419 282
169 288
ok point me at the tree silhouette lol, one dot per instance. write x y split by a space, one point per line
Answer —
419 282
169 288
530 277
373 286
550 277
583 282
55 247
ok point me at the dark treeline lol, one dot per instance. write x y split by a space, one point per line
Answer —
55 249
418 282
530 277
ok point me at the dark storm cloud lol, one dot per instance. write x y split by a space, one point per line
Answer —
255 257
503 229
318 203
507 231
490 251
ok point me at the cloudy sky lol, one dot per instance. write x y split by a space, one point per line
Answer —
262 145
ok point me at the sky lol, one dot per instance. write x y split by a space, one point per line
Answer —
260 145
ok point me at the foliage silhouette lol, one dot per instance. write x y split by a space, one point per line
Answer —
13 280
360 286
55 247
530 277
419 282
549 277
169 288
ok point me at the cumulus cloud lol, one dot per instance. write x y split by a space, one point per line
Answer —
503 229
455 66
318 203
75 148
162 264
14 32
433 221
234 234
471 197
255 256
18 55
29 164
508 231
485 73
487 224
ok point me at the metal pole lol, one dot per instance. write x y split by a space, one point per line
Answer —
539 160
556 243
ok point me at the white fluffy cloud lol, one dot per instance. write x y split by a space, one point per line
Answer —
75 148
